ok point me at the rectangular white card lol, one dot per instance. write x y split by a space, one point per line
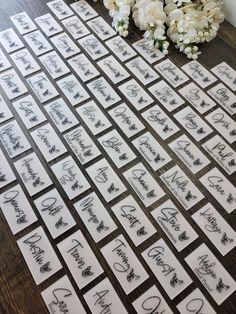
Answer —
106 180
175 226
103 92
5 112
65 45
215 228
6 174
42 87
60 9
83 67
80 259
70 177
151 150
133 220
171 73
25 62
23 23
221 188
143 183
93 47
13 139
135 94
182 187
48 24
82 145
54 64
150 54
4 62
167 269
17 209
95 217
73 90
39 255
225 73
222 153
75 27
161 123
120 48
193 123
211 273
12 84
10 41
93 117
116 148
32 173
84 10
54 213
29 111
222 122
101 28
189 153
61 296
124 264
37 42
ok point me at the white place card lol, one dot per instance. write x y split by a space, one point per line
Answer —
124 264
48 142
225 98
70 177
93 117
11 84
82 145
23 23
29 111
32 173
182 187
6 174
65 45
195 302
136 95
161 123
93 47
73 90
153 301
197 98
60 9
125 118
75 27
10 41
100 27
199 73
133 220
13 139
39 255
166 95
215 228
175 226
151 150
62 296
17 209
103 296
80 259
48 24
113 69
222 122
120 48
151 55
95 217
42 87
189 153
221 188
225 73
5 112
61 115
167 268
103 92
37 42
142 71
54 65
143 183
54 213
222 153
25 62
193 123
83 67
84 10
214 277
106 180
116 148
171 73
4 62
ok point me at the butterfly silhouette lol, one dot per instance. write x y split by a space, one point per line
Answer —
37 182
151 194
201 131
233 132
224 240
142 100
53 149
183 236
204 104
197 162
233 105
76 186
45 268
141 231
2 115
232 163
21 219
133 127
175 281
101 227
60 223
132 275
190 196
158 158
87 272
230 198
3 178
167 128
88 153
221 286
98 124
123 157
112 188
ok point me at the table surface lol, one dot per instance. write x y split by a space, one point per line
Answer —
18 292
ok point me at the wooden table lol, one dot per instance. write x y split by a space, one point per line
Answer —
18 292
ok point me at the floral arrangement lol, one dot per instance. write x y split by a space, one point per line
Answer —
186 23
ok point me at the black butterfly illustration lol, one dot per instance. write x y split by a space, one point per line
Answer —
66 121
225 240
204 104
232 163
52 29
88 153
58 70
101 227
123 157
47 92
77 95
118 74
76 186
132 276
177 78
13 44
29 67
142 100
220 287
98 124
69 49
2 115
158 158
16 90
197 162
3 178
206 79
41 46
133 127
151 194
45 268
233 132
97 52
230 198
173 102
33 119
183 236
109 98
167 128
175 281
112 188
60 223
189 196
37 182
87 272
141 231
21 220
88 72
201 131
233 105
17 145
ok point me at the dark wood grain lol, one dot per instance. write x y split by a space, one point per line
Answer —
18 292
